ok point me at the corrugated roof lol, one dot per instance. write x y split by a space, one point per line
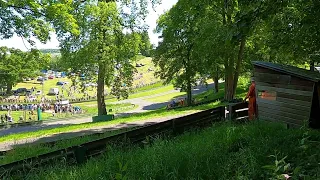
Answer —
295 71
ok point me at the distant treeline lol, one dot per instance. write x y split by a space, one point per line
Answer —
51 51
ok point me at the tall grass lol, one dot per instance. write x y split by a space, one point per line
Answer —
225 151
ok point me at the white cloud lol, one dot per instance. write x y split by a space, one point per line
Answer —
17 42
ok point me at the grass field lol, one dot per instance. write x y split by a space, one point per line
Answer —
167 97
23 152
257 150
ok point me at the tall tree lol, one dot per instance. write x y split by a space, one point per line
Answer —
145 45
16 65
174 55
108 43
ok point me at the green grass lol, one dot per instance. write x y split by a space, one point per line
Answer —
136 117
257 150
147 88
152 92
22 152
166 98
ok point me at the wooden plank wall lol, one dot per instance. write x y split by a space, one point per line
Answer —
293 100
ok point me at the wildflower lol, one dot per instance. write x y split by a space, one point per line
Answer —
286 176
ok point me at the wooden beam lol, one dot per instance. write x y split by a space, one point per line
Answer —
283 104
289 91
284 109
272 78
287 86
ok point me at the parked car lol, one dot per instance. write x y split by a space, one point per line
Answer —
60 83
54 91
51 77
40 79
21 90
28 92
38 92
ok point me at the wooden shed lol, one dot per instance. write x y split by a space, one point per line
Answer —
287 94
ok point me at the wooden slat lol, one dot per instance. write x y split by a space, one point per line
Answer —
283 90
282 104
284 109
294 80
272 78
279 118
239 106
294 97
286 86
301 82
295 102
241 114
283 114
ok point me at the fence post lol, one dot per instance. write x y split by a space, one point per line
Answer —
80 154
223 113
230 109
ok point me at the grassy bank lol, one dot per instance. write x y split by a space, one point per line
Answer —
26 151
135 117
257 150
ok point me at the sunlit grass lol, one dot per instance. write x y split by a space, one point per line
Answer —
167 97
224 151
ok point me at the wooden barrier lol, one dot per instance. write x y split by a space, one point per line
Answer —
237 111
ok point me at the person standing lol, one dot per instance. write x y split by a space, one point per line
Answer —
252 111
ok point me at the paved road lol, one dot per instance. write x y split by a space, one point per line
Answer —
143 106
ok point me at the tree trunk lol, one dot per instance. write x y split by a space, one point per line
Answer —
229 84
189 92
100 91
9 87
238 65
216 82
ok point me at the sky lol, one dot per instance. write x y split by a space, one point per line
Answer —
19 43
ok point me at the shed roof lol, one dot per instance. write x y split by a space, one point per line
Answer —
291 70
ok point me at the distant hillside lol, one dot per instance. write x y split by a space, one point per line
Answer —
50 51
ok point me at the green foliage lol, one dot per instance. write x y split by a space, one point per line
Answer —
16 65
145 45
32 18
